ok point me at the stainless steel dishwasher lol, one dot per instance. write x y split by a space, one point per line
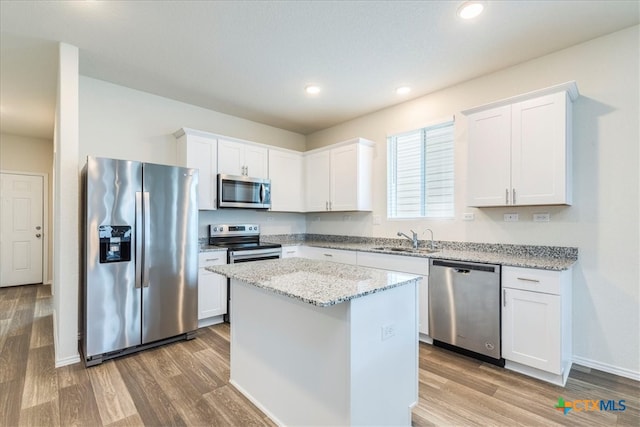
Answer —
464 308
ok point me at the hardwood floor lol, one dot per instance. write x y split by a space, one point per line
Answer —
186 384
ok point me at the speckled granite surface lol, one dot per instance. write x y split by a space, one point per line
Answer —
528 256
208 248
321 283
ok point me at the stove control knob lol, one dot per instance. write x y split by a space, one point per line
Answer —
215 228
250 228
221 228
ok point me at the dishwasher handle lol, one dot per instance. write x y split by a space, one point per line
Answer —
463 267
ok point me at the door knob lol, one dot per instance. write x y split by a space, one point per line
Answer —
38 227
38 235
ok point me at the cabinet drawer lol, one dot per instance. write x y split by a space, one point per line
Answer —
325 254
530 279
206 259
406 264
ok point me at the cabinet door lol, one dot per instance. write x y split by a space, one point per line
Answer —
201 153
489 160
531 329
344 178
212 287
255 161
286 174
539 155
317 167
230 157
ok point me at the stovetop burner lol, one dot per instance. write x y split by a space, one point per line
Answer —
238 237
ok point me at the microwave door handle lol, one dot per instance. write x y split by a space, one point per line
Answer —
262 193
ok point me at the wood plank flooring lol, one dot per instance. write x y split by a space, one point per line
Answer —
186 384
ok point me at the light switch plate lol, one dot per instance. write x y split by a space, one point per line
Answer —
511 217
468 216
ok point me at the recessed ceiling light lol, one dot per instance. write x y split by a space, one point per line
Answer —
402 90
312 89
470 9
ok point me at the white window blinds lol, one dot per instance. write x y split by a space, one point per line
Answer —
420 173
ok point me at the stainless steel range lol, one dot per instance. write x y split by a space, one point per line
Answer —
243 245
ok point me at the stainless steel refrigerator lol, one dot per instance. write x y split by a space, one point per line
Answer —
139 284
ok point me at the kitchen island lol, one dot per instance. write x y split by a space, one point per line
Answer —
322 343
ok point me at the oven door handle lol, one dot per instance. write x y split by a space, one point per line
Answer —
253 253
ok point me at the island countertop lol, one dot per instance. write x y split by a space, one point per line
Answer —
321 283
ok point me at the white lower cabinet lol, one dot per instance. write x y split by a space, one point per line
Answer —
536 322
212 289
405 264
325 254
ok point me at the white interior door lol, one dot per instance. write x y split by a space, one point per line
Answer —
21 229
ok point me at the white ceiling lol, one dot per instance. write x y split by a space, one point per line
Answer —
252 59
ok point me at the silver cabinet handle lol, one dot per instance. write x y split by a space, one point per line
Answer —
326 205
329 255
514 196
506 196
524 279
212 259
504 297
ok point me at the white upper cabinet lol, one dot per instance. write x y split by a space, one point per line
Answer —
239 158
338 177
520 149
199 150
287 181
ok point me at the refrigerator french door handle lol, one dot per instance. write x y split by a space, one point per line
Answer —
139 225
146 237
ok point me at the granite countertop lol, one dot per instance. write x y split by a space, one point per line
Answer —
209 248
527 256
321 283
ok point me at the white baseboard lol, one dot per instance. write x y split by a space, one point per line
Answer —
605 367
69 360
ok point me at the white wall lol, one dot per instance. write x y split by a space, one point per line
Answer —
604 219
27 154
124 123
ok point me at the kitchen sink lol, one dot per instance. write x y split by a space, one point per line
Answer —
407 250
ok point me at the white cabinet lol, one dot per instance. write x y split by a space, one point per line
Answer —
536 322
239 158
290 251
287 180
212 288
519 150
405 264
339 177
199 150
324 254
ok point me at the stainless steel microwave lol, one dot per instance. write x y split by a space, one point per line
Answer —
236 191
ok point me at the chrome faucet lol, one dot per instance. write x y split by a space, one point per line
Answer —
431 246
414 239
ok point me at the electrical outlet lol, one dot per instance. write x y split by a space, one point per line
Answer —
511 217
468 216
541 217
388 331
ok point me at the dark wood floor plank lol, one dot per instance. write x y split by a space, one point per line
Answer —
13 358
10 402
78 406
41 332
153 405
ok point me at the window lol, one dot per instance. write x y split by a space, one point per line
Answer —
420 173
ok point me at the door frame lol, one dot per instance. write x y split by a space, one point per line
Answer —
45 220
